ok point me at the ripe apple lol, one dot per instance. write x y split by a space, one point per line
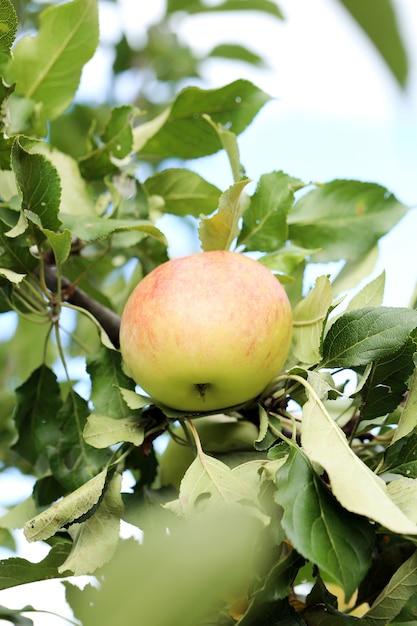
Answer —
206 331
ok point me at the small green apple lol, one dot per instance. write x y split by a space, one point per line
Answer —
206 331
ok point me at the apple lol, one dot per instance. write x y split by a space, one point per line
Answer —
206 331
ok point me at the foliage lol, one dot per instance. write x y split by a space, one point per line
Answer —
314 481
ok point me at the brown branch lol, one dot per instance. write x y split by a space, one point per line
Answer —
107 318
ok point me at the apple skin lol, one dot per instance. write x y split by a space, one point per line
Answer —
206 332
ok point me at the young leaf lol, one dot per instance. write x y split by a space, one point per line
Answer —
265 222
371 295
12 277
183 192
344 218
286 259
408 419
220 230
309 316
366 335
403 491
339 543
93 228
401 587
17 571
66 510
101 431
116 142
60 244
39 185
47 68
96 539
208 479
401 457
352 482
8 26
230 145
183 132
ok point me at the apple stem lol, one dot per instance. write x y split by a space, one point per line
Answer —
200 451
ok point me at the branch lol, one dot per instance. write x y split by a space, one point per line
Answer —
107 318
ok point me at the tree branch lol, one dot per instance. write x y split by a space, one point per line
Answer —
107 318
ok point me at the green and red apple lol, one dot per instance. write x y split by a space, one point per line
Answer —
206 332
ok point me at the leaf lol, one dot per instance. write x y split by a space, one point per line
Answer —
134 400
386 382
93 228
14 616
183 132
67 510
344 218
265 222
401 457
237 53
17 571
96 539
309 316
366 335
231 146
403 491
355 270
12 277
209 480
8 25
101 431
107 376
60 244
115 143
401 587
191 6
378 20
287 259
219 231
339 543
183 192
73 462
19 514
370 295
408 419
39 186
38 400
353 483
47 68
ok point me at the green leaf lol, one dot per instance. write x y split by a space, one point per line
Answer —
38 401
237 53
115 143
17 571
401 587
370 295
408 419
386 382
93 228
365 335
72 460
220 230
339 543
401 457
12 277
265 222
14 616
182 131
66 510
39 186
403 491
378 20
101 431
309 316
325 444
354 271
208 480
344 218
107 376
193 6
96 539
19 514
287 259
183 192
47 68
60 244
231 146
8 25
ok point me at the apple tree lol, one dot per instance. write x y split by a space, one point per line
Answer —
296 507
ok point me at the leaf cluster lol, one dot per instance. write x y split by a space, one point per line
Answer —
311 485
